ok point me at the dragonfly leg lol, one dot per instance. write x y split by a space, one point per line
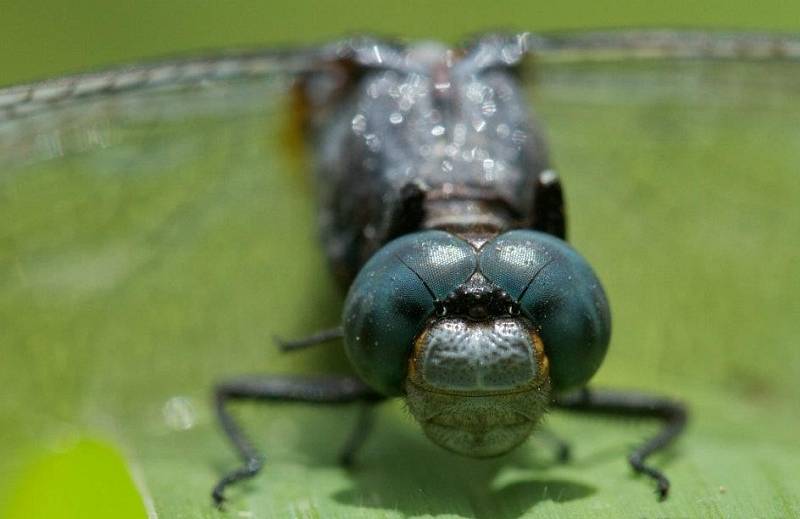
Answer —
321 337
562 449
547 214
405 215
673 415
400 216
319 390
359 434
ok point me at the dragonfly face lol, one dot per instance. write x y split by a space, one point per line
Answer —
478 387
475 332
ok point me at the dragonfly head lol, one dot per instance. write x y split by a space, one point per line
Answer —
476 337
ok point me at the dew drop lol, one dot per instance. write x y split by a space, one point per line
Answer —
179 413
359 124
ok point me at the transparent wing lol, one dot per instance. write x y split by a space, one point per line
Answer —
20 100
682 183
132 222
654 44
58 116
82 112
681 180
662 44
133 171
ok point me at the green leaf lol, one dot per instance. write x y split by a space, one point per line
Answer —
156 256
83 479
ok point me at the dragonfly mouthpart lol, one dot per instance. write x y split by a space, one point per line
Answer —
478 388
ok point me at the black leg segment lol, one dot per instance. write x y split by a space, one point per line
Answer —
318 390
616 403
359 434
321 337
547 214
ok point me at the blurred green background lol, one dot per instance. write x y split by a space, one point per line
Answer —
121 301
45 38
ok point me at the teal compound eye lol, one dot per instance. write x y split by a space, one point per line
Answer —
560 294
393 297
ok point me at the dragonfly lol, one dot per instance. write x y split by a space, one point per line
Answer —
440 213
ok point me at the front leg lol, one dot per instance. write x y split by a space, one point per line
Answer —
672 414
318 390
547 214
321 337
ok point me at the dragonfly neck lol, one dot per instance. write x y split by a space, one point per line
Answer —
480 216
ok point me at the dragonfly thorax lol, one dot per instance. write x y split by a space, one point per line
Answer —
420 138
